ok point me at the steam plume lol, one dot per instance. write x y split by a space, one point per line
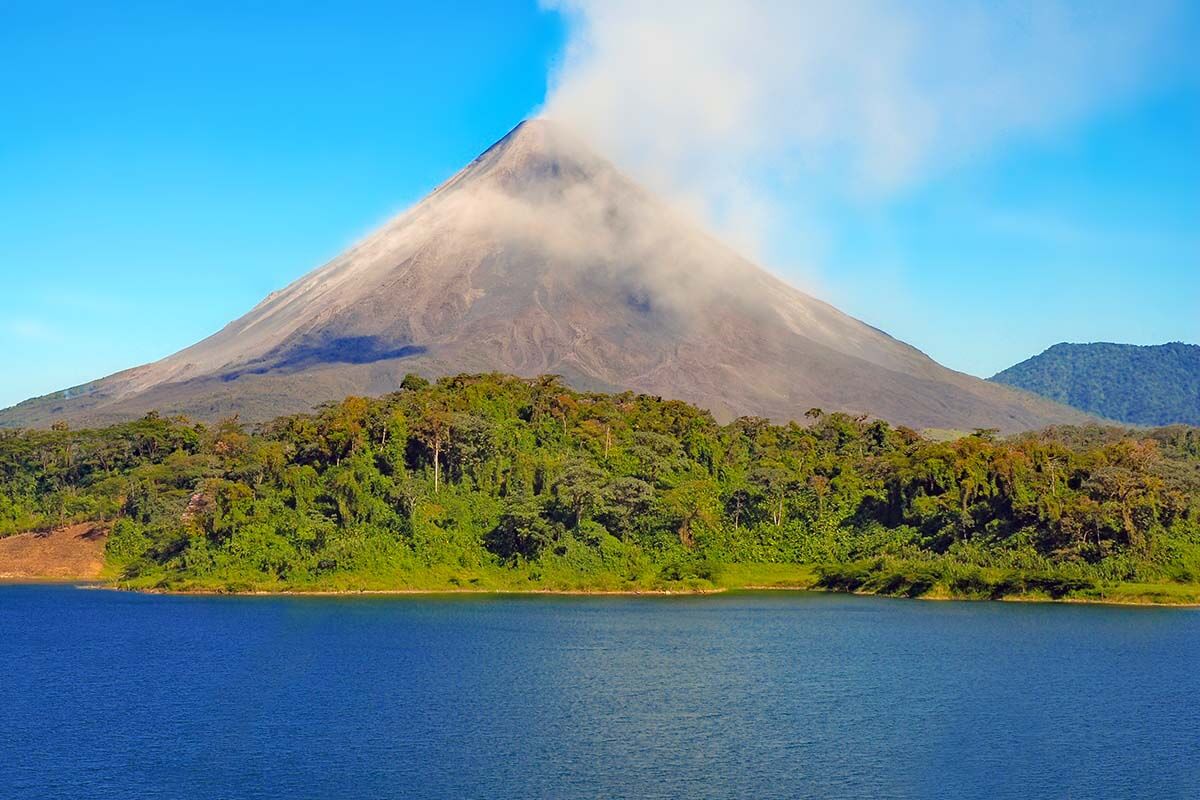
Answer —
719 101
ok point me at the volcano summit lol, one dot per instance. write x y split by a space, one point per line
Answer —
541 257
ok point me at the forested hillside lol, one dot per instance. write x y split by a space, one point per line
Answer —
500 482
1155 385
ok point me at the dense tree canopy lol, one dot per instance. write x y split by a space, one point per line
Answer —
442 483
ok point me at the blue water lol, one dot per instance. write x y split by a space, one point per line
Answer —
116 695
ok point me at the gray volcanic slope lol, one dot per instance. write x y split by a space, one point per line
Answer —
540 257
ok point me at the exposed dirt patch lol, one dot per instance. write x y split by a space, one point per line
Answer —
72 553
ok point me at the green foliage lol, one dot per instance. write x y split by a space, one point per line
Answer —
127 543
494 481
1155 385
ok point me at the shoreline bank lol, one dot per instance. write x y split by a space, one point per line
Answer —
65 554
689 592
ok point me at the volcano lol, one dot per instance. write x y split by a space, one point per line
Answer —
542 257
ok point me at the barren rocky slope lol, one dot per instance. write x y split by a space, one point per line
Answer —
541 257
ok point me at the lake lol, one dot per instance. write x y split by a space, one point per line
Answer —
117 695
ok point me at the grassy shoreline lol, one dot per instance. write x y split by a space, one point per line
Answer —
733 578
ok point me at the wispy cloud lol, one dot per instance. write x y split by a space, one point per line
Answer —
31 330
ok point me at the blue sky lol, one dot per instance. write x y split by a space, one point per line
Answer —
163 166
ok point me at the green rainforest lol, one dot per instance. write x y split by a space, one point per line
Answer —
491 482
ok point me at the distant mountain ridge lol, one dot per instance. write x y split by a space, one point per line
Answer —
541 257
1139 384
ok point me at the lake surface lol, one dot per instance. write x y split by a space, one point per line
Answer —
115 695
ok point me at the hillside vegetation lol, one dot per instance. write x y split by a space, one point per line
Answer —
1155 385
490 481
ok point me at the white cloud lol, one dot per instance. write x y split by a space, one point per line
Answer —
718 102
